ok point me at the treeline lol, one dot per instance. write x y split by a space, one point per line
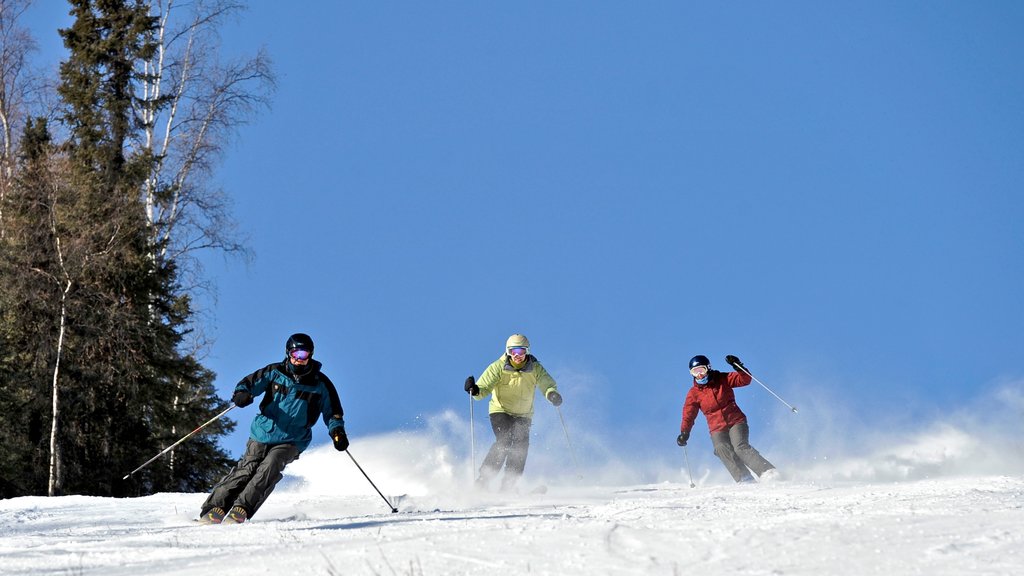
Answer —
106 195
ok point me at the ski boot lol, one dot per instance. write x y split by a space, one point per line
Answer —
237 515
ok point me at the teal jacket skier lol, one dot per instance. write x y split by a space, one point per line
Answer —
296 393
292 403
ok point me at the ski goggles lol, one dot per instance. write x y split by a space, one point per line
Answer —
517 351
300 354
699 371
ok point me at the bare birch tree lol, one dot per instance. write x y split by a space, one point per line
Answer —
192 103
102 225
73 253
15 45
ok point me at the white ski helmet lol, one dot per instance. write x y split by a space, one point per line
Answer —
516 341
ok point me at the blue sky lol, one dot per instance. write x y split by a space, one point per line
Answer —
831 191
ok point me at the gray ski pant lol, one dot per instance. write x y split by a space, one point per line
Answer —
511 445
252 480
732 446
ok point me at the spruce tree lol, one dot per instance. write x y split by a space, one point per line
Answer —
27 332
92 316
134 389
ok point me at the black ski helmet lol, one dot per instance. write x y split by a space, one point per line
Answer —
700 360
299 341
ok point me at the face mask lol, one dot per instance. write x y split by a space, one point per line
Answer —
298 369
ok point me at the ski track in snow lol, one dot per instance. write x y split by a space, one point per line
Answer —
955 526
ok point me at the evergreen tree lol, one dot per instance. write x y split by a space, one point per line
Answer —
92 322
27 329
132 386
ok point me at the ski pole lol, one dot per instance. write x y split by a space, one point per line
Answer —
470 382
572 452
688 473
187 436
744 368
472 441
393 509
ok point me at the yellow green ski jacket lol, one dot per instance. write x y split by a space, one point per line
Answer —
512 390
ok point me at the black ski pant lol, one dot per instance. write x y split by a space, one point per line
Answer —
253 479
511 444
732 446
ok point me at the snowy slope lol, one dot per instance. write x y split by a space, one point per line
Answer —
950 526
326 519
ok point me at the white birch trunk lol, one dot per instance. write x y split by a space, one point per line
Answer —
55 452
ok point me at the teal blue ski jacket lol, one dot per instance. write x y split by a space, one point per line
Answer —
292 403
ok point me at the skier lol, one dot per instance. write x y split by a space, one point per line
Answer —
712 394
511 381
294 392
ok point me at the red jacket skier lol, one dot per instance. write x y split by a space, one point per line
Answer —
712 394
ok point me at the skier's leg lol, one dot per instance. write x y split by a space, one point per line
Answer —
740 437
517 452
724 451
227 490
501 424
266 477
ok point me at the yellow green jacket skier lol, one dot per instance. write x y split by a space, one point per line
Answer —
512 389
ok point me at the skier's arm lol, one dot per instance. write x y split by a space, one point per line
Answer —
545 382
738 379
690 408
256 383
333 414
488 380
330 407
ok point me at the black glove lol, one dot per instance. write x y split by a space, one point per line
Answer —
471 387
242 398
340 440
734 362
555 398
683 437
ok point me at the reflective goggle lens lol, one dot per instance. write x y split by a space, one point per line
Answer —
517 351
699 371
300 354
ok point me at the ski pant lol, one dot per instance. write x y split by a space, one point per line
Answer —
511 444
733 447
253 479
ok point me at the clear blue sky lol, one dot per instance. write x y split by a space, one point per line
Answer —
831 191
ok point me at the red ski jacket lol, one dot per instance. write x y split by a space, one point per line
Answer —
716 400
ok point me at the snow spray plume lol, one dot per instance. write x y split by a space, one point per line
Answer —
830 444
415 463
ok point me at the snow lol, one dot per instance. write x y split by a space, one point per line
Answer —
933 504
